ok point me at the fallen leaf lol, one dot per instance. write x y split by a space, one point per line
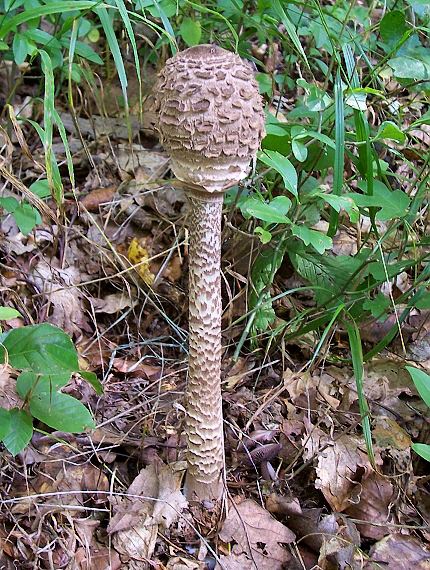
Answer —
375 499
97 198
340 540
257 538
8 396
136 521
180 563
113 303
58 286
399 551
342 465
139 256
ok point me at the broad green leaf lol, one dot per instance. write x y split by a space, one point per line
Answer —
299 150
19 48
264 235
92 379
20 431
84 50
191 31
422 383
393 26
424 301
420 7
282 165
392 203
339 202
7 313
9 203
318 240
5 419
273 213
43 38
318 136
356 99
26 217
40 348
265 84
377 306
168 7
61 412
389 130
29 383
406 67
12 4
316 99
41 188
422 449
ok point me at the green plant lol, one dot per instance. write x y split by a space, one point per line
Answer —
422 383
45 359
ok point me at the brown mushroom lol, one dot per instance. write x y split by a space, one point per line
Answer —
211 122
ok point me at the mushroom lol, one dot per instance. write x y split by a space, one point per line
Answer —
211 122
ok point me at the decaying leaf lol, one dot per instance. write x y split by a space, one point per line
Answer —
138 255
59 287
342 465
136 521
114 303
399 551
97 197
8 396
257 537
374 506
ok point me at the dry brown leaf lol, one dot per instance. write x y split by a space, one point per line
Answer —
113 303
307 389
58 285
136 521
257 536
180 563
8 396
399 552
341 467
340 540
97 197
374 506
96 558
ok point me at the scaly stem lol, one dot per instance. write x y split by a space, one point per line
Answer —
204 427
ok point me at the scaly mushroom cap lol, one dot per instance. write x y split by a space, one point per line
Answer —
210 116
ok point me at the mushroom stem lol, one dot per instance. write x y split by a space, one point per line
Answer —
204 426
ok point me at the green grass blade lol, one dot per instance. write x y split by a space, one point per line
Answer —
129 28
112 41
358 366
365 151
52 8
52 172
339 155
290 31
167 25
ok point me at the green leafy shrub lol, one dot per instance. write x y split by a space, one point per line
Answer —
45 359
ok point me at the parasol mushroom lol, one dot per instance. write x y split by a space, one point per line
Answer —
211 122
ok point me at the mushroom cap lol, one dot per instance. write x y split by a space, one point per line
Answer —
210 116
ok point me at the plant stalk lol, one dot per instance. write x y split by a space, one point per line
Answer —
204 425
